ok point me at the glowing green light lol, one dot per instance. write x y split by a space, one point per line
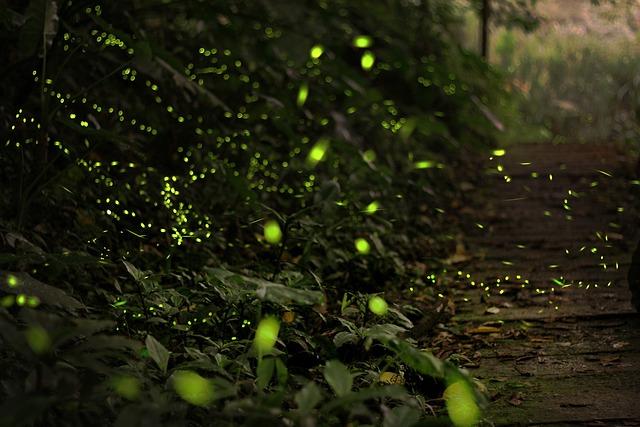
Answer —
362 246
193 388
378 306
372 208
12 281
127 387
369 156
362 41
33 302
303 93
461 405
21 299
316 51
318 152
266 334
499 153
367 60
425 164
38 339
272 232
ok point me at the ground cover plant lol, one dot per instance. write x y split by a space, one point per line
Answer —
233 212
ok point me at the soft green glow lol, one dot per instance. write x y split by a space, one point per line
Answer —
193 388
425 164
12 281
362 246
266 334
38 339
127 387
499 153
318 152
316 51
461 405
362 41
272 232
367 60
372 208
378 306
303 93
369 156
21 299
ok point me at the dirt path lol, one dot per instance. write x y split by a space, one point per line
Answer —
557 341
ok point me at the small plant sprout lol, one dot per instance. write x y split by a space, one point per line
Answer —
272 232
266 335
378 305
362 246
193 388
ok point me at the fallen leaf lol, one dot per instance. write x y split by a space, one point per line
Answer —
391 378
619 344
492 310
484 330
516 399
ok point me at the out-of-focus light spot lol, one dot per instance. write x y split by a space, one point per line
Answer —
272 232
372 208
378 305
38 339
12 281
362 246
499 153
316 51
369 156
461 405
193 388
425 164
362 41
266 334
126 386
318 152
303 93
367 60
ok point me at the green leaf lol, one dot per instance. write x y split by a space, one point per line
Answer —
137 275
338 377
281 372
308 398
342 338
158 353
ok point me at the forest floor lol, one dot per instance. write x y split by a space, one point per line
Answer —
557 341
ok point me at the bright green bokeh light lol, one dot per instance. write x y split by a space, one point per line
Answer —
367 60
499 153
303 93
369 156
21 299
7 301
372 208
266 334
318 152
272 232
363 246
33 302
461 404
425 164
193 388
362 41
38 339
127 387
378 305
12 281
316 51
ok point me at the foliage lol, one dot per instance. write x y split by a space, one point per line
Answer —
176 174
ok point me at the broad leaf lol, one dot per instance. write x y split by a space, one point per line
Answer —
158 353
338 377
